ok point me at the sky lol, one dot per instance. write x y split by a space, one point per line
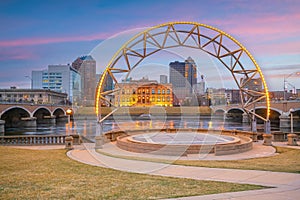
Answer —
35 34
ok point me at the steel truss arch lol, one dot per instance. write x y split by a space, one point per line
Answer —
194 35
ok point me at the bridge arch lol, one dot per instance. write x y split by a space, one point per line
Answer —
13 115
59 111
40 113
274 114
296 109
220 111
235 114
231 53
20 107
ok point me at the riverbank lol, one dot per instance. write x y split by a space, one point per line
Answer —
136 111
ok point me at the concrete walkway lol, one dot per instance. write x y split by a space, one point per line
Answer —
287 185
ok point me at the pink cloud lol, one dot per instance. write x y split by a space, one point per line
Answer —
39 41
15 54
267 27
268 33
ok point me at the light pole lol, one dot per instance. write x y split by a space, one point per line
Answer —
285 82
292 120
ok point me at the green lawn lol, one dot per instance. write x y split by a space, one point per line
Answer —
288 160
50 174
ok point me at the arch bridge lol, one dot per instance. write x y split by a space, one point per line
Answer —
280 112
29 115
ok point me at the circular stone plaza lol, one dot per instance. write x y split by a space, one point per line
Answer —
183 144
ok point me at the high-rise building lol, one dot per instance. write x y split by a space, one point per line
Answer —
59 78
86 66
163 79
199 88
108 83
183 76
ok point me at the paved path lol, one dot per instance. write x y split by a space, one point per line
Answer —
287 185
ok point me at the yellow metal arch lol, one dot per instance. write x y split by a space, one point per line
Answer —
123 49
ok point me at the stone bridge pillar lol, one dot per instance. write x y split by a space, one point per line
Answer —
27 122
254 125
284 120
48 120
245 118
2 123
63 119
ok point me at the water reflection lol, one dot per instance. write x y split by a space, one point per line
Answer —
89 128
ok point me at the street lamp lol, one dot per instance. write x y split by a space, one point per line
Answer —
285 82
292 121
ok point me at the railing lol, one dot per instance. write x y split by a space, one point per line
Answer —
32 103
37 140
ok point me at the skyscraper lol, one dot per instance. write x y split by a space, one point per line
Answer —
199 88
183 76
86 66
163 79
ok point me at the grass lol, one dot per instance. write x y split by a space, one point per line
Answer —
287 160
50 174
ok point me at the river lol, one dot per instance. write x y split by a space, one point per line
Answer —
89 128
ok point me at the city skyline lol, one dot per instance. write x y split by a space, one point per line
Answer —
37 34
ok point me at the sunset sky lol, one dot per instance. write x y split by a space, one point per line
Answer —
35 34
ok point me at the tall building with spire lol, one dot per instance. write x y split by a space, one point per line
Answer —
86 66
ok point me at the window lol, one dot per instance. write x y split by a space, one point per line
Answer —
168 91
153 99
153 91
163 91
158 91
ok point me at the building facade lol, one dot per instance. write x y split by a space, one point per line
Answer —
233 96
143 93
216 96
59 78
254 84
86 66
36 96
